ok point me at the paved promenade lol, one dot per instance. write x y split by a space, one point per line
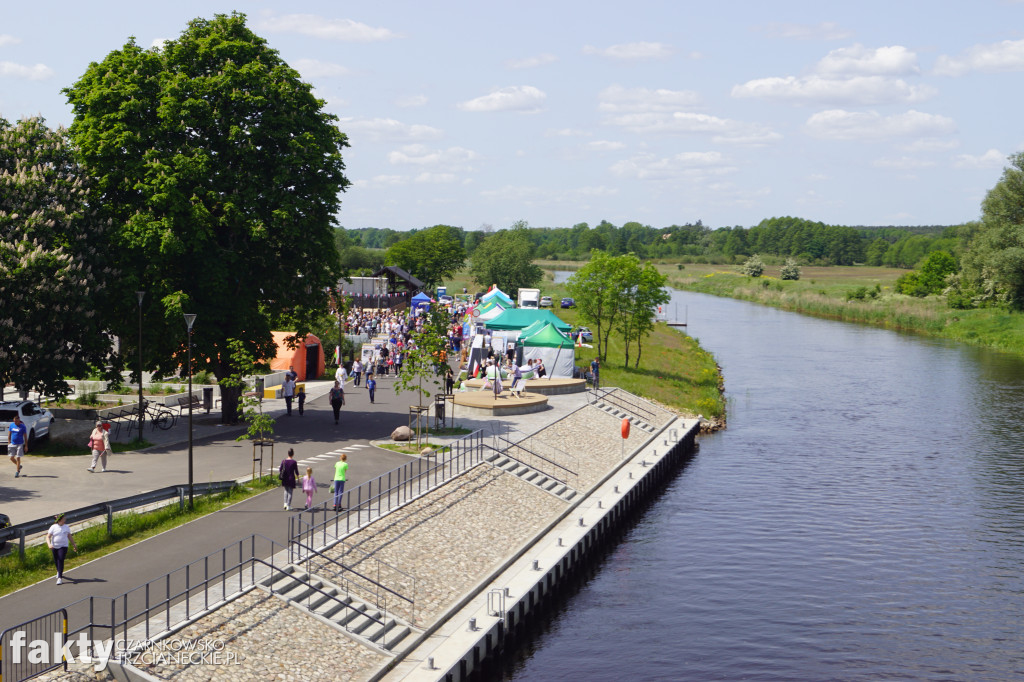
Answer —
449 539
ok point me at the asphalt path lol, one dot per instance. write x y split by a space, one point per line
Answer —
214 458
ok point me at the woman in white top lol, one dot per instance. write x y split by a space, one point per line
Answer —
57 539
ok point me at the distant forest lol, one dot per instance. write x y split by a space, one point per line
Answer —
809 242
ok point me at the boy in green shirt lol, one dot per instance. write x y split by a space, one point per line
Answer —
340 474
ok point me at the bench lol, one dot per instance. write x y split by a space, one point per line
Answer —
184 403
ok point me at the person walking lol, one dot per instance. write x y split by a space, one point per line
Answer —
301 395
99 443
337 398
17 433
595 372
341 374
288 472
340 476
371 385
57 539
357 370
288 391
309 487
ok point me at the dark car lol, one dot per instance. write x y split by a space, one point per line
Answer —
5 522
568 302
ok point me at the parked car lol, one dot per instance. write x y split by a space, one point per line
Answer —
445 299
545 301
5 522
568 302
37 420
582 331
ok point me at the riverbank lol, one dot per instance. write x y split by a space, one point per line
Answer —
857 294
674 371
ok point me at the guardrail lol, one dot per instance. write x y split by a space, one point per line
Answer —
611 395
566 473
20 531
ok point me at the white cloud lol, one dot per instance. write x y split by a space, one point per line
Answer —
387 129
631 51
930 144
412 101
436 178
679 122
381 181
158 43
1007 55
33 73
858 60
902 163
314 68
531 62
838 124
826 30
605 146
858 90
568 132
326 29
695 166
524 98
453 158
545 195
993 158
7 39
616 98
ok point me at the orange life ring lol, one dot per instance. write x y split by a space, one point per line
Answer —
625 427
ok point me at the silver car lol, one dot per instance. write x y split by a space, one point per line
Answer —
36 419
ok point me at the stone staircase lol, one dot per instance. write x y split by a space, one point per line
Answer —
329 604
532 476
617 412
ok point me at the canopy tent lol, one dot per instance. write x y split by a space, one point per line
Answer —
497 294
488 311
553 348
520 318
420 299
307 357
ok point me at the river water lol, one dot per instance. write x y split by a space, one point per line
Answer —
861 518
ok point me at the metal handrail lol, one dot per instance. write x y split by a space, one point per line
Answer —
608 393
386 492
380 601
520 445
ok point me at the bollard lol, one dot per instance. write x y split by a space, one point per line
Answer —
508 592
581 521
560 542
430 663
536 565
616 489
600 505
472 624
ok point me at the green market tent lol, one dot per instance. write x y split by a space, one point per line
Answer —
488 311
496 294
516 319
552 347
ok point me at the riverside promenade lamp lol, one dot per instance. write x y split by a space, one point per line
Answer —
190 319
141 295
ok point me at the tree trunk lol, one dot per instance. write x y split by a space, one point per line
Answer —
229 404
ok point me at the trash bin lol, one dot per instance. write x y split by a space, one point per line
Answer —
439 401
208 398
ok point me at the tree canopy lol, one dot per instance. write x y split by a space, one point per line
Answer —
431 255
221 174
505 258
52 265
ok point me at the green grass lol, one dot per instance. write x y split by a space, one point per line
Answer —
824 292
128 529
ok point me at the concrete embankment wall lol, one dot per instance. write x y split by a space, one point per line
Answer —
500 613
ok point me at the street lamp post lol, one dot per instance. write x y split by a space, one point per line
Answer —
190 318
141 295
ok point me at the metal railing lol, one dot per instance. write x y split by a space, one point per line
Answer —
355 578
612 395
51 628
320 526
529 449
20 531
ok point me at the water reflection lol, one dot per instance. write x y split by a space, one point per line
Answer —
860 518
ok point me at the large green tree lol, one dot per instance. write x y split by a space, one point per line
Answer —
221 173
993 266
642 291
505 258
53 269
431 255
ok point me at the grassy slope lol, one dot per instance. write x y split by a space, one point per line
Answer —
822 292
674 370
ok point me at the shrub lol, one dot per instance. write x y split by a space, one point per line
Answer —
858 294
753 267
790 270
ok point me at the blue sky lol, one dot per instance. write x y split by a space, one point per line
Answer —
471 114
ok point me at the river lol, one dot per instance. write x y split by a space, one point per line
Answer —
861 518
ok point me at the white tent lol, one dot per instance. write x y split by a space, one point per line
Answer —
552 348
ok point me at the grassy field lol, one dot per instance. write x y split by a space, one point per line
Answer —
674 370
857 294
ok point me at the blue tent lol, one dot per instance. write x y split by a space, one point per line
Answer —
420 299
